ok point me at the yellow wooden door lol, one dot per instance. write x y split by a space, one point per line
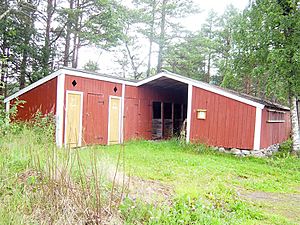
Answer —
114 121
73 123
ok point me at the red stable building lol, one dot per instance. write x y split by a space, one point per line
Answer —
92 108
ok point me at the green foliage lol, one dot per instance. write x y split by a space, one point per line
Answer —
208 186
91 66
6 117
186 210
38 37
196 169
187 58
37 177
263 52
284 149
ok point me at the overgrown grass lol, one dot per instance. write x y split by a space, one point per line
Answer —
195 169
208 185
40 184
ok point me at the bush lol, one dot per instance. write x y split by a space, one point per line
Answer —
285 149
6 117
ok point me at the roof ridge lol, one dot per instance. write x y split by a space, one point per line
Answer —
251 97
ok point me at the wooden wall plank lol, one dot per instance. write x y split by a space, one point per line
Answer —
227 121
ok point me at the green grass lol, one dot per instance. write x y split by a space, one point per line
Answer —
207 187
196 172
40 184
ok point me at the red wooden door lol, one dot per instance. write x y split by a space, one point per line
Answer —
95 119
131 119
145 119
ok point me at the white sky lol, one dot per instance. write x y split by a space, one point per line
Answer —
193 23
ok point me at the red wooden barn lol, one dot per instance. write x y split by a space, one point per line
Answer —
92 108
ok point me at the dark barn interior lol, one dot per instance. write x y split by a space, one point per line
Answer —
169 107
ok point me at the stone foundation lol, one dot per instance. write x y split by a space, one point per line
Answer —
266 152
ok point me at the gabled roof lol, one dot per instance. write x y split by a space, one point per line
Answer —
250 100
202 85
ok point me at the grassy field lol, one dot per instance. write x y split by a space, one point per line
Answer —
208 187
143 182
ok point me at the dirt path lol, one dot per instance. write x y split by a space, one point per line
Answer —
287 205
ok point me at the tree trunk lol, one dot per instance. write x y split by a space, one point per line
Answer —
68 37
162 36
76 40
3 65
23 69
295 124
151 38
74 51
207 76
23 65
3 56
131 57
47 47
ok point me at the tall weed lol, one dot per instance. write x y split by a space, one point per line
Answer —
41 184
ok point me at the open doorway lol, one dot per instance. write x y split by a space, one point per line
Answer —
168 123
178 119
168 99
167 119
157 120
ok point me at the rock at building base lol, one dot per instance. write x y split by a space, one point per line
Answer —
235 151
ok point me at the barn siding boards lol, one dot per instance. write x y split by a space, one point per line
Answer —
97 87
131 113
40 99
131 119
215 129
94 119
273 133
232 120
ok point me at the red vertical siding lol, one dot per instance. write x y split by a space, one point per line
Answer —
41 98
131 117
228 123
96 87
95 112
273 133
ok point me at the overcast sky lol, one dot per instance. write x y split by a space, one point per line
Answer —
193 23
218 6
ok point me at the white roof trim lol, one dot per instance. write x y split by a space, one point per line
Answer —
202 85
34 85
68 72
173 76
97 77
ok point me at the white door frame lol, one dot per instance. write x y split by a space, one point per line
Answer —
120 117
189 112
80 119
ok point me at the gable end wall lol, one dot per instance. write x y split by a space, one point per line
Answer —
42 98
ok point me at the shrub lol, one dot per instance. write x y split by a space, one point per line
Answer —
284 149
6 117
